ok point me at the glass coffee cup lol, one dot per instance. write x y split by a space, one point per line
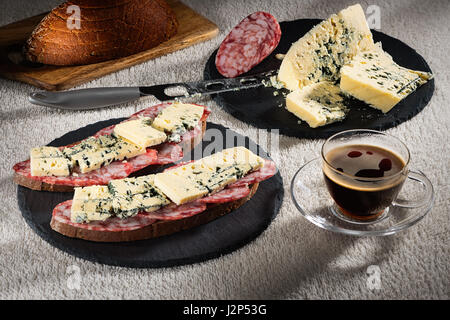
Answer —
364 171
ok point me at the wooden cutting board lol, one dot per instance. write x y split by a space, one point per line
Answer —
193 28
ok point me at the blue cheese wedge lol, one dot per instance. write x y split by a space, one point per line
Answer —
91 204
48 161
131 195
318 104
320 53
373 77
208 175
140 132
178 118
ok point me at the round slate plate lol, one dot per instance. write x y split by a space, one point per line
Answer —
261 108
208 241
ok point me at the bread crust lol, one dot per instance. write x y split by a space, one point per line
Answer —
43 186
157 229
107 30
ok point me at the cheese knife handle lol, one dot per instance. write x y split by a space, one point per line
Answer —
85 99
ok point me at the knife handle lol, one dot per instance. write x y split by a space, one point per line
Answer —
85 99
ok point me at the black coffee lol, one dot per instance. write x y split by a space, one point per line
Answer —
359 197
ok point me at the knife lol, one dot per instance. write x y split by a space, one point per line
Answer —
93 98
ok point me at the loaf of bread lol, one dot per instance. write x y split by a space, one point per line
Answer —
105 30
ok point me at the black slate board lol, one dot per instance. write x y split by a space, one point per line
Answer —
260 108
204 242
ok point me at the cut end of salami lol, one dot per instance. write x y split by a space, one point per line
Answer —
247 44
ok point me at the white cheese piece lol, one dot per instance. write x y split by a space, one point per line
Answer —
50 167
178 188
320 53
140 132
207 175
48 161
178 118
91 192
91 203
318 104
373 77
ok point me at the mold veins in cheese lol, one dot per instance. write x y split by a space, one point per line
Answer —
320 53
90 204
373 77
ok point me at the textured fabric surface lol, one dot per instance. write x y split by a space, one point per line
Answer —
292 259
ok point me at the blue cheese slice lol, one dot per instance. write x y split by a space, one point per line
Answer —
92 159
208 175
90 144
140 132
91 203
131 195
318 104
320 53
48 161
178 118
373 77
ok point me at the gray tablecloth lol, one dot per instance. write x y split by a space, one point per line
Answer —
292 259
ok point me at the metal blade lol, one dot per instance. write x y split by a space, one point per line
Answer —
207 87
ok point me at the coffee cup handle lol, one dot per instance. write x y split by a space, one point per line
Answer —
428 194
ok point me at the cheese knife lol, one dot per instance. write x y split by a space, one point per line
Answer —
94 98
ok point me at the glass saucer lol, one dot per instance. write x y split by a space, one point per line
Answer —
311 197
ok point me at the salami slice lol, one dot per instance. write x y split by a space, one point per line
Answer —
168 153
189 137
248 43
206 113
143 160
262 174
176 212
61 214
227 195
115 170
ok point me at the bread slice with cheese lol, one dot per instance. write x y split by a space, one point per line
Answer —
66 167
158 204
157 229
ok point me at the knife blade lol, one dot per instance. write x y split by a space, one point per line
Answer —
93 98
